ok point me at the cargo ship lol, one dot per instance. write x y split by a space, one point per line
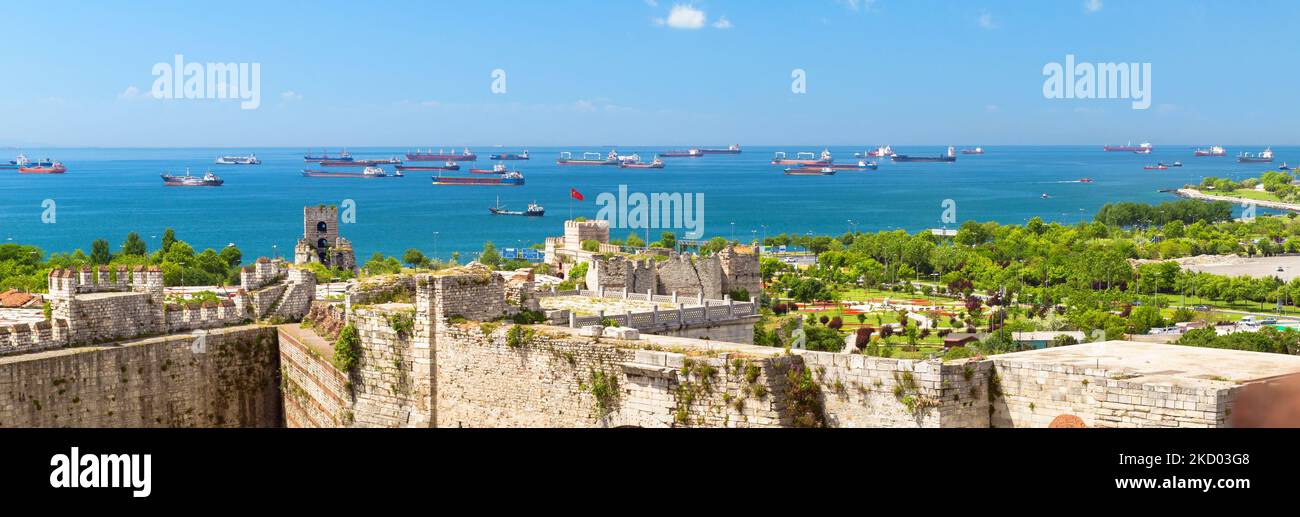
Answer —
879 152
449 166
441 156
510 156
509 179
359 163
861 165
534 210
638 164
1156 167
1143 148
1212 151
207 180
342 157
805 158
977 150
731 149
499 168
810 171
48 167
949 157
368 172
1264 157
566 158
22 161
689 153
238 160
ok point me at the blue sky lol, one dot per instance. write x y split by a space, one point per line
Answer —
630 72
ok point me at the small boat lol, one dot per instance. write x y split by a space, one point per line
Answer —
810 171
45 167
566 158
1176 164
342 157
1264 157
1214 150
977 150
207 180
534 210
510 156
368 172
449 166
1156 167
1142 148
238 160
1085 180
638 164
950 157
804 158
441 156
860 165
1045 196
499 168
879 152
509 179
1284 167
689 153
731 149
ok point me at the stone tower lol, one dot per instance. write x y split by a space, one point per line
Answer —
320 240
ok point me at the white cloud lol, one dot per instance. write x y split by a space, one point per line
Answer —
290 96
992 108
857 5
986 21
686 17
722 23
130 93
1092 6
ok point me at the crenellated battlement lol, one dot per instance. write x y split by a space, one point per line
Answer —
33 337
262 273
64 283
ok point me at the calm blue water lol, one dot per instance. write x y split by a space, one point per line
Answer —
109 192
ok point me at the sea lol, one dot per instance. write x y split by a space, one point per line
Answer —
108 192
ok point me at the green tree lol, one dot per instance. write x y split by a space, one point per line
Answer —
413 257
489 255
168 238
134 245
99 253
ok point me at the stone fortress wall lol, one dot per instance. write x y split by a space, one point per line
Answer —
733 269
231 380
100 305
460 348
461 362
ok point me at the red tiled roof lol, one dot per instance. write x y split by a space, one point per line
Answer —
14 298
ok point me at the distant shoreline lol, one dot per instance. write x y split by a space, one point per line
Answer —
1196 194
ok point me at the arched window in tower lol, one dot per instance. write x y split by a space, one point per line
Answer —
322 243
321 226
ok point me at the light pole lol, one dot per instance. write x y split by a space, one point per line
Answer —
435 245
275 253
733 231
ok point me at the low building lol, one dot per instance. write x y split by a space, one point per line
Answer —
1044 339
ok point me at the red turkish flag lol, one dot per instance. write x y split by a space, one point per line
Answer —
573 193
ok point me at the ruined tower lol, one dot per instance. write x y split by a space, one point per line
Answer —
321 242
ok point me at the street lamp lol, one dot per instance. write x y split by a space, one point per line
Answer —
435 245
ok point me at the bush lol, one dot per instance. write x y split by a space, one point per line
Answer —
347 349
959 352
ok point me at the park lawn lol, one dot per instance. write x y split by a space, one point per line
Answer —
858 294
1256 195
1177 300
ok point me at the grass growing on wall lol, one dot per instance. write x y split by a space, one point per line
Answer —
347 349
